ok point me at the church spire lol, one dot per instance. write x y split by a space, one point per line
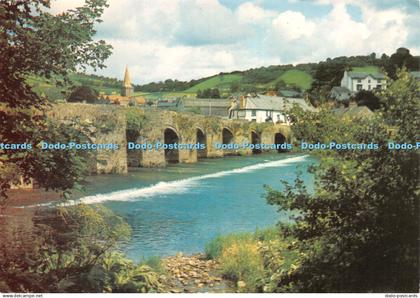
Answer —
127 88
127 81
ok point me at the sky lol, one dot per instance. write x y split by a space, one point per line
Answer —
191 39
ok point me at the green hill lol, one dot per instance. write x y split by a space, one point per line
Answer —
297 77
221 81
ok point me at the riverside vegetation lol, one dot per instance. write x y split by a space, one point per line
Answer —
358 230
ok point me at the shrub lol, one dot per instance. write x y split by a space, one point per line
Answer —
241 262
83 93
155 262
240 259
117 274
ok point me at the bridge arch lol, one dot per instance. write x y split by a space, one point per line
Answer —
255 139
202 139
279 139
171 137
227 136
134 157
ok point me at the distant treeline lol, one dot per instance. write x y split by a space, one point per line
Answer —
167 86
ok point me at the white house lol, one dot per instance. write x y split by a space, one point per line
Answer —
356 81
263 108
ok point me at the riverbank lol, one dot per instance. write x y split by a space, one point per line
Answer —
194 274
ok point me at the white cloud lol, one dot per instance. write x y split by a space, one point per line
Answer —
292 25
249 12
337 34
187 39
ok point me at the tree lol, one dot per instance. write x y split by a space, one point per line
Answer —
208 93
358 231
83 94
369 99
235 86
35 42
280 84
401 58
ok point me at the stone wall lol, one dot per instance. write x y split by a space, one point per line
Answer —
108 125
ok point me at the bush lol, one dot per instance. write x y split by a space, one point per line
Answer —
369 99
83 93
155 262
240 259
241 262
117 274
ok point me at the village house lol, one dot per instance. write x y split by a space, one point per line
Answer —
352 82
262 108
356 81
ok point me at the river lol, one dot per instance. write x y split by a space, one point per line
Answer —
183 206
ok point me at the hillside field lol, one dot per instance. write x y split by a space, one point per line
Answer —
222 82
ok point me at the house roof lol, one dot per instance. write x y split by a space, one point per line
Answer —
275 103
168 103
289 93
415 74
140 100
353 112
362 75
340 90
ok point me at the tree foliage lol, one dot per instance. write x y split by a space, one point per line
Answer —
208 93
36 42
368 98
401 58
358 231
83 93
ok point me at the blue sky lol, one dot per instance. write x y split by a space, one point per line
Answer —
186 39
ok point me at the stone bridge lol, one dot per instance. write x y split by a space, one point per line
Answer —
123 125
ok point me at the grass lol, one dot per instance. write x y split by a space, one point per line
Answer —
298 77
240 258
155 263
366 69
219 81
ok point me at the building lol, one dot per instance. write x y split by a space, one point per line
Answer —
353 112
170 104
356 81
127 96
207 106
263 108
415 74
340 93
127 87
289 93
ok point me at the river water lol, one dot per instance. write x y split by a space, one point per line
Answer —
182 207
